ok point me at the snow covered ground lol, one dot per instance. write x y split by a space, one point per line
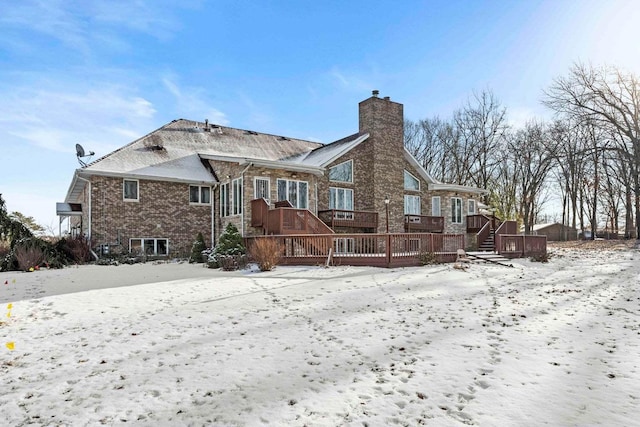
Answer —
538 344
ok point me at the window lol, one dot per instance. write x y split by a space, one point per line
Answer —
149 246
341 198
130 190
471 204
342 172
225 200
435 206
236 200
343 245
261 189
199 195
293 191
411 205
411 182
456 210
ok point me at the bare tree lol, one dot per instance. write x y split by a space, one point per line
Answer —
484 123
610 99
533 153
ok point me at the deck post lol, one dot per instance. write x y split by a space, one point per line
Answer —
388 244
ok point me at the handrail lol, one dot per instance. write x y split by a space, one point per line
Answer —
483 234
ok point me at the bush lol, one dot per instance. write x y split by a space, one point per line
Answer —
197 248
267 252
428 258
29 256
541 258
77 249
229 253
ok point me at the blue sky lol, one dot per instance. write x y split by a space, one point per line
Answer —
102 73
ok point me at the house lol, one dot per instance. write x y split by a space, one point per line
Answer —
157 193
555 231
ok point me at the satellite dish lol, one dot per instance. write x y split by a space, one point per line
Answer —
81 153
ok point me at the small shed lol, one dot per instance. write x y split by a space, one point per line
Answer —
555 231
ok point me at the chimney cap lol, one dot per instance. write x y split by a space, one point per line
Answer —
386 98
375 92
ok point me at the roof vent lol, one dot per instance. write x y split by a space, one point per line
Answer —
375 93
206 125
386 98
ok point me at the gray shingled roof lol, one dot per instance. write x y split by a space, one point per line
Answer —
173 151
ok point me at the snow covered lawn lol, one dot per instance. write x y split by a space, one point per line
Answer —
554 344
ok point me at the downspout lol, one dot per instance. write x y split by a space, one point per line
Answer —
89 216
95 256
243 207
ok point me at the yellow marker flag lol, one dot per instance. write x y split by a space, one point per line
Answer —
11 346
9 314
9 306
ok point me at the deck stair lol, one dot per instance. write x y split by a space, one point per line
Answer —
489 257
489 242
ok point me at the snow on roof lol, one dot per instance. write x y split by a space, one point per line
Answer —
326 154
174 151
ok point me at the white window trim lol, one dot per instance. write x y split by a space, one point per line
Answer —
414 177
225 211
236 208
255 187
452 206
335 166
344 245
470 211
199 202
137 199
345 191
439 206
413 197
297 190
155 244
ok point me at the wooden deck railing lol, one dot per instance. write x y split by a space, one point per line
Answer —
294 221
423 223
520 246
508 227
483 234
475 223
259 212
345 218
366 249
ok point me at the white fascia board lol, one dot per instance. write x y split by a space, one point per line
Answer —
422 171
85 174
348 148
455 187
271 164
75 187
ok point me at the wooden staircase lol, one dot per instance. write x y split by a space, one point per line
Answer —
488 244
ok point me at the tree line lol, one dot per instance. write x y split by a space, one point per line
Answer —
588 155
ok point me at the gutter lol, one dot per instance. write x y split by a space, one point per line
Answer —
271 164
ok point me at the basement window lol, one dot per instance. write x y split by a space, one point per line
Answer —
149 246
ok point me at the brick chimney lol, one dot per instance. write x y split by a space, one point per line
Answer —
383 120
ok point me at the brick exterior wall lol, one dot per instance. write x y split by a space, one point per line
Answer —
383 119
163 211
234 171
